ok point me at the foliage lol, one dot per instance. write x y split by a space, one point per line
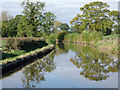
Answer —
33 23
95 17
5 29
52 38
64 26
91 37
26 44
38 18
24 28
5 16
73 37
61 36
56 26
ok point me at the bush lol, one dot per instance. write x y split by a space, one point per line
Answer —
52 39
61 36
26 44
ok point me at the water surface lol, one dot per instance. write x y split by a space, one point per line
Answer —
69 66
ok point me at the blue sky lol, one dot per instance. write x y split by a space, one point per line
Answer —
65 10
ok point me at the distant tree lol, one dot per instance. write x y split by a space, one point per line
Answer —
5 29
64 26
5 16
56 26
95 16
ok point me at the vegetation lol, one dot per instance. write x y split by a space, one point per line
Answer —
64 26
109 43
95 17
33 23
97 25
11 59
17 46
61 35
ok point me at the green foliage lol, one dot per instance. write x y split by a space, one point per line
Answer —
64 26
91 37
33 23
26 44
95 17
52 38
25 28
5 29
38 18
73 37
61 36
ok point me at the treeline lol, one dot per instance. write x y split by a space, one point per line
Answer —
36 22
33 23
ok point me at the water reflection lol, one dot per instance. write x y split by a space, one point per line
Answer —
35 72
60 49
95 65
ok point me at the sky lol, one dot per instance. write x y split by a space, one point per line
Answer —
65 10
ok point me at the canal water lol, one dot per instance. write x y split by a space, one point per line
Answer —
69 66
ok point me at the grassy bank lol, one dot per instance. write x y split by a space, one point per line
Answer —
26 55
107 43
12 47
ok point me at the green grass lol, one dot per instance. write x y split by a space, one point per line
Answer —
11 59
114 36
12 54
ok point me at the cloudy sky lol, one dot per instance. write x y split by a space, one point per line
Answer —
65 10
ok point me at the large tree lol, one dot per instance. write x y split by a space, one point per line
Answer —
39 20
95 16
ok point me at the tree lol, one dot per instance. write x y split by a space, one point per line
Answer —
5 16
13 26
94 17
5 29
64 26
114 16
56 26
47 25
24 27
39 20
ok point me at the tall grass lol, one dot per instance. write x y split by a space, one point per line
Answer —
91 37
85 37
74 37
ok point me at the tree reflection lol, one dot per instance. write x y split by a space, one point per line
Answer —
95 65
60 49
34 73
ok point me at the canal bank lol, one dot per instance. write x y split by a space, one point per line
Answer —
22 60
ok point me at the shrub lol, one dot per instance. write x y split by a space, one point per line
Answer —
52 39
27 44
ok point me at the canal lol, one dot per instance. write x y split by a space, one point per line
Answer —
68 66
